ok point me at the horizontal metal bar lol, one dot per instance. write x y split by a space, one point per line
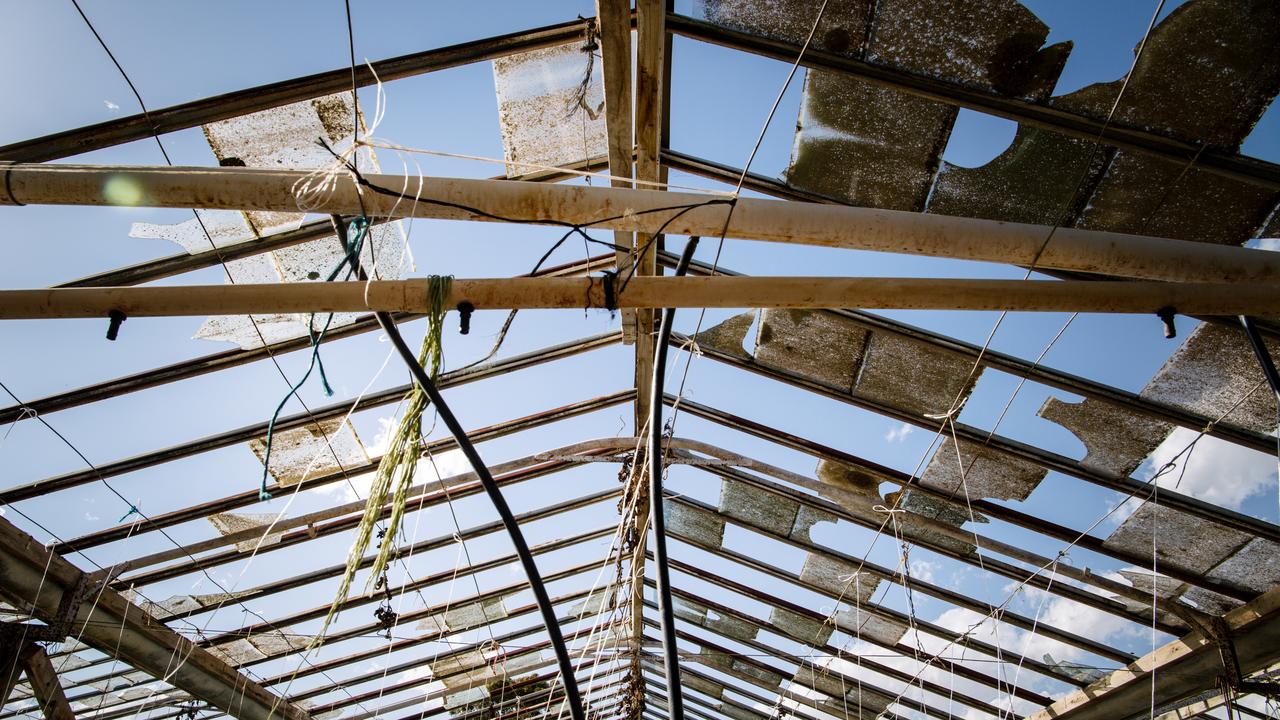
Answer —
901 649
865 662
335 410
951 596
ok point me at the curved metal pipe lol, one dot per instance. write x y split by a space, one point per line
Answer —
671 656
545 608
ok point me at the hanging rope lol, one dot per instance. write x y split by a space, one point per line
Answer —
398 465
350 260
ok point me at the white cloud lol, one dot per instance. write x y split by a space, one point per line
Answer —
110 105
899 433
1264 244
1217 471
923 570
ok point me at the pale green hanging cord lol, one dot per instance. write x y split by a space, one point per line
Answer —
401 459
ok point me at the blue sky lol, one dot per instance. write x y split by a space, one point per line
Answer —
182 51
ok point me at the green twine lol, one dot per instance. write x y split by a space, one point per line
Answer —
133 510
396 470
350 261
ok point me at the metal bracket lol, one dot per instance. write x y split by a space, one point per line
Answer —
1219 633
61 625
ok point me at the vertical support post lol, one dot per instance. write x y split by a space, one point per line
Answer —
614 28
651 101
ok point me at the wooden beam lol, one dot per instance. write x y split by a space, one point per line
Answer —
614 27
646 292
44 683
651 40
35 579
1178 670
647 211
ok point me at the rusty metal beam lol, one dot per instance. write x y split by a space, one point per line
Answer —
242 102
955 598
369 628
35 579
1007 446
920 535
983 507
1219 161
866 662
335 410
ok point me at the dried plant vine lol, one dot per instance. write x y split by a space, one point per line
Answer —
399 464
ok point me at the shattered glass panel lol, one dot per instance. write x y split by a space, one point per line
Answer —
737 712
924 511
178 604
464 697
309 451
873 146
860 624
283 137
595 603
700 526
280 641
838 577
1255 566
1184 540
987 473
1202 58
236 652
704 686
757 508
1210 372
1199 60
806 518
913 376
472 614
728 336
550 110
1115 439
820 346
231 523
766 678
801 627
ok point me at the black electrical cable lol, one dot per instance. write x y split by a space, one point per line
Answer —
495 496
670 655
1263 355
